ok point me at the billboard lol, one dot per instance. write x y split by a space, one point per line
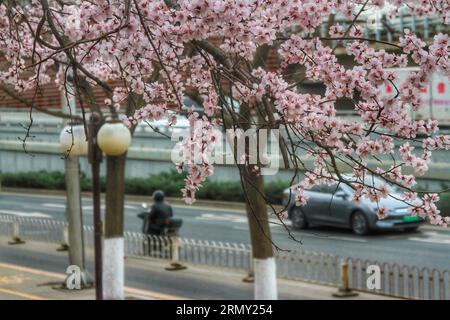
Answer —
436 96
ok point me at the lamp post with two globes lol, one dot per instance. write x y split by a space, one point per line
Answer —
112 138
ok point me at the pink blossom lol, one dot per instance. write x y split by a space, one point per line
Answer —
155 57
382 213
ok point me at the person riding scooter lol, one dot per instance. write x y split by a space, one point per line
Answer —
156 225
157 220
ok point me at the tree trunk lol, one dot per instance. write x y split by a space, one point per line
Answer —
264 268
113 247
265 286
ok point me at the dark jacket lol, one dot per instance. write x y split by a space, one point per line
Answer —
156 220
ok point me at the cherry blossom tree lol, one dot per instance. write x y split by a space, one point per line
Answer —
148 55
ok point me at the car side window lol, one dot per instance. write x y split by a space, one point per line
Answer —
329 189
317 188
332 189
326 189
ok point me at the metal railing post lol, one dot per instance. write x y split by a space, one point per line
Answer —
402 23
175 245
344 290
64 246
251 273
426 28
16 239
413 24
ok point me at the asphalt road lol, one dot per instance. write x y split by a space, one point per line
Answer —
429 247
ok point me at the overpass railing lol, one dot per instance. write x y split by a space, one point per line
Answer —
380 27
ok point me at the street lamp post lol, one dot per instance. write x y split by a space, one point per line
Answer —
73 144
95 158
114 139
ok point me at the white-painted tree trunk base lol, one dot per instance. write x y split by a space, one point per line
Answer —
113 269
265 279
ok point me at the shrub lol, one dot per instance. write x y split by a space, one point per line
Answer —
221 190
39 180
274 190
444 204
170 182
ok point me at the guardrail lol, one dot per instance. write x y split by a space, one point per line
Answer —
380 27
320 268
390 30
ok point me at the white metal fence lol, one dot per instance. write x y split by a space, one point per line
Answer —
320 268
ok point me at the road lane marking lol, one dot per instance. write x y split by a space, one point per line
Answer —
205 208
15 279
25 214
31 270
153 294
340 238
231 218
54 205
90 208
432 237
317 236
446 242
325 237
225 217
21 294
436 241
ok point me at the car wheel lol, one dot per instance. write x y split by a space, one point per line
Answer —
360 226
298 218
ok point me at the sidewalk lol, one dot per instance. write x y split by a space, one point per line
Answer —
28 272
23 283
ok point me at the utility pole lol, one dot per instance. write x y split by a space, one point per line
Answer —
73 192
95 158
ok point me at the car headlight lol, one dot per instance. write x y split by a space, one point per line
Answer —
401 211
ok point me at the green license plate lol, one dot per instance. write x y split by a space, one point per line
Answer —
411 218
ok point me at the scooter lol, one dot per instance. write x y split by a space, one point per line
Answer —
161 245
172 225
